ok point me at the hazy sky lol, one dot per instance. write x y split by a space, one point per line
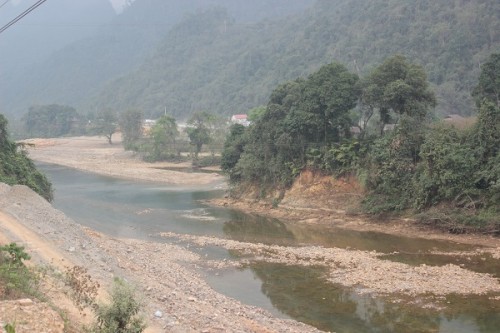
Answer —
119 4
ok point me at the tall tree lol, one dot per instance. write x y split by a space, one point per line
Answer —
233 148
131 126
489 81
106 124
398 87
301 114
164 134
199 130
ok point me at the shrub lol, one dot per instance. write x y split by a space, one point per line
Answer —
16 279
121 315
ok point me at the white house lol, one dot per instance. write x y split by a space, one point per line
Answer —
241 119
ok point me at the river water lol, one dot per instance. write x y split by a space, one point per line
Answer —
135 209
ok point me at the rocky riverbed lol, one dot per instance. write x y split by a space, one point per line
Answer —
175 297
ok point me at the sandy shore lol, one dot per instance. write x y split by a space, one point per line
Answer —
167 275
95 154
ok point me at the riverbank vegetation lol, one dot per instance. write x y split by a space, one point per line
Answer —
380 128
17 168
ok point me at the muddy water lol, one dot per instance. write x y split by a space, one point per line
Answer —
133 209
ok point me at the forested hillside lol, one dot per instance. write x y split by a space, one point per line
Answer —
78 71
211 62
449 175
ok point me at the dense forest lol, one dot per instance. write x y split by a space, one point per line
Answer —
212 62
414 164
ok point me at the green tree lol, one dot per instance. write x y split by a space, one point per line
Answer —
50 120
106 124
164 134
199 130
301 114
256 113
395 88
489 82
16 254
447 167
233 148
487 130
400 90
131 126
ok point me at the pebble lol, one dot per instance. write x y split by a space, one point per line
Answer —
25 302
158 314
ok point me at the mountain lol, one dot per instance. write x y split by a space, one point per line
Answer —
226 56
77 71
51 26
212 63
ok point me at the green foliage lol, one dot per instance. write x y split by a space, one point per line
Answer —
17 168
342 159
49 121
489 82
162 143
106 124
445 166
301 115
121 315
200 130
16 254
10 328
396 87
256 113
233 148
131 126
16 280
448 161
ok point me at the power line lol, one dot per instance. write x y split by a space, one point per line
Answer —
5 2
20 16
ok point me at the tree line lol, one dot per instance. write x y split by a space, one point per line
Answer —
382 129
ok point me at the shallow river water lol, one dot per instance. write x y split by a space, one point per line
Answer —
138 210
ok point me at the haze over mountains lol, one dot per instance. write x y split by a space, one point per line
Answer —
226 56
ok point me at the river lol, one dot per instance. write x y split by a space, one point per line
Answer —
141 210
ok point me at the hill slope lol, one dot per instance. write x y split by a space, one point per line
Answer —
209 62
74 73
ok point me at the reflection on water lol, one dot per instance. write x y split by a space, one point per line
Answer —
258 229
303 294
135 209
255 229
482 263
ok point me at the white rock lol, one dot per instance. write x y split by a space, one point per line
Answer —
158 314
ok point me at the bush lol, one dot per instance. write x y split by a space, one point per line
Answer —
16 280
121 315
